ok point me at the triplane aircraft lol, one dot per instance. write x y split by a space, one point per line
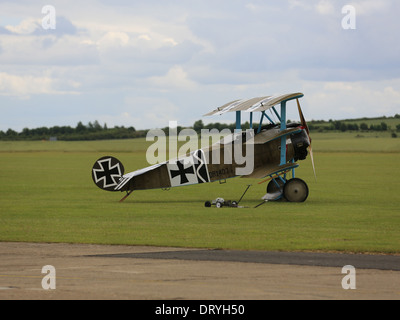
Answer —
277 148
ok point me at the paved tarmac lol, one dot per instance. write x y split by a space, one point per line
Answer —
85 271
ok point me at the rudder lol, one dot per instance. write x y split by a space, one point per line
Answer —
106 173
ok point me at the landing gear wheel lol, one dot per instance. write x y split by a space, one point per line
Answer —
295 190
272 187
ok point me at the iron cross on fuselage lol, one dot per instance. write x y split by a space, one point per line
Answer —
182 171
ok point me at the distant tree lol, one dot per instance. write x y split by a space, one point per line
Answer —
352 126
198 125
398 127
42 131
384 126
11 133
246 126
25 132
97 126
90 126
337 125
374 128
364 126
80 127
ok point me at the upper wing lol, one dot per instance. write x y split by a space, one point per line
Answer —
254 104
273 100
224 108
236 105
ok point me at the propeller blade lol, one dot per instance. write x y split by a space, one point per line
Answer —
304 124
312 161
303 121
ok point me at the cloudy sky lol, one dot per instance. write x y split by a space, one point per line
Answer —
144 63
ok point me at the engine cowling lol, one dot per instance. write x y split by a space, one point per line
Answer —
300 142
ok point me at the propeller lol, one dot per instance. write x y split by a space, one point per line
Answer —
304 124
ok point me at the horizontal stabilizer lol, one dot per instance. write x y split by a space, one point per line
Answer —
123 182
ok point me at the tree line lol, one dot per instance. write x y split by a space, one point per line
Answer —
91 131
344 126
95 131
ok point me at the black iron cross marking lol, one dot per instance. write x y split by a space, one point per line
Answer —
107 173
182 172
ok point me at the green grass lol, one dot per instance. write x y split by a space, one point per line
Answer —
47 195
355 142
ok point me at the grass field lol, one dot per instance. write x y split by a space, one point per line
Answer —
47 195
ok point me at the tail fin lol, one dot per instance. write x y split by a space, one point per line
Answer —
106 173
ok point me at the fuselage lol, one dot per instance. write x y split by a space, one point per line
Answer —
220 160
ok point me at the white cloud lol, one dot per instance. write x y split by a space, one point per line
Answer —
176 77
27 26
341 100
170 41
148 112
294 4
144 37
114 39
23 85
325 7
26 85
370 7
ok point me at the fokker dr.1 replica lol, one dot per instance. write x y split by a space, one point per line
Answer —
276 149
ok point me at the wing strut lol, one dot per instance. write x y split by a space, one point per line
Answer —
283 127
